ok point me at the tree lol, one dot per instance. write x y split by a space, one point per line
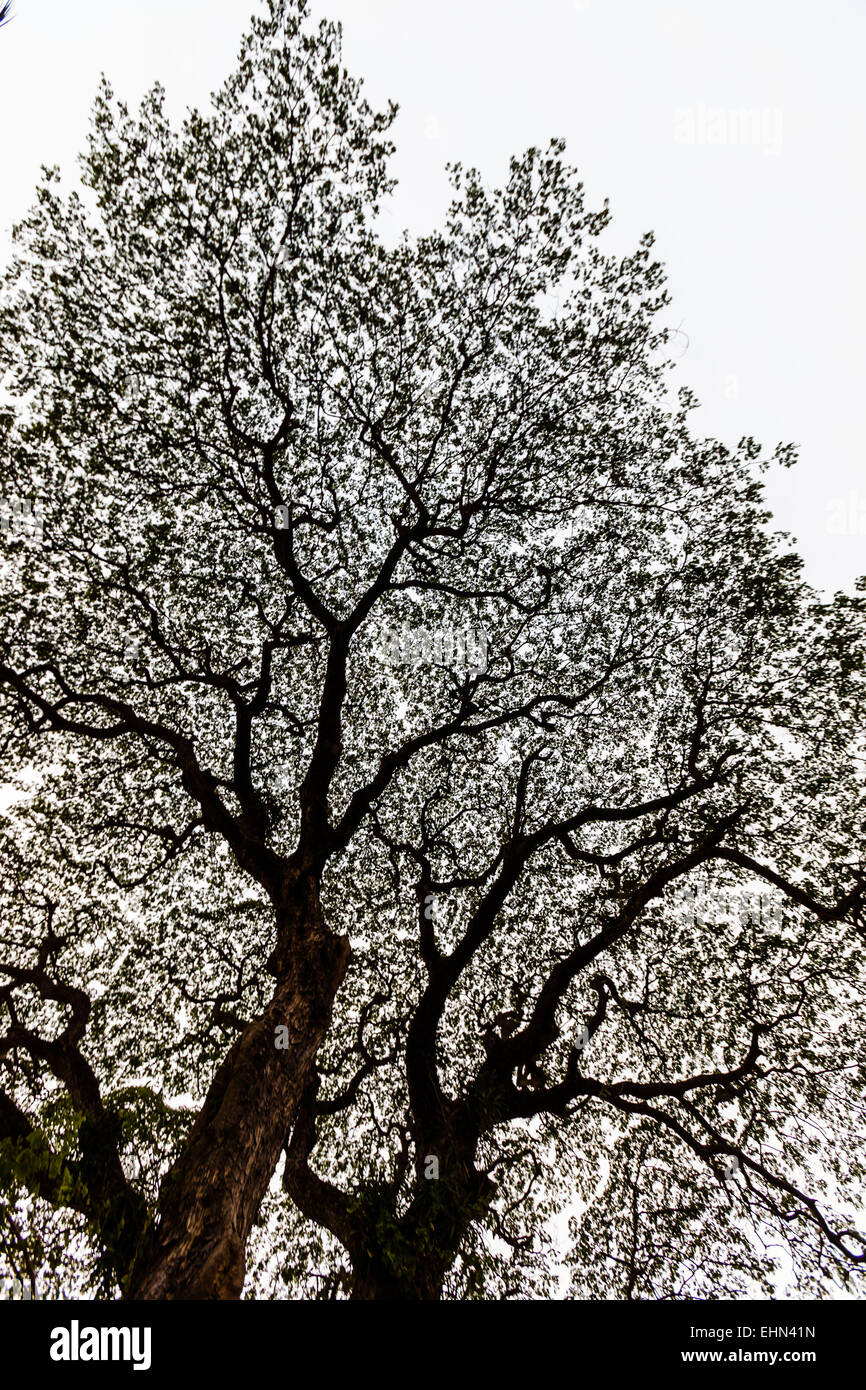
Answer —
382 654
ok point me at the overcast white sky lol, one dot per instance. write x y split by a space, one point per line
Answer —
762 236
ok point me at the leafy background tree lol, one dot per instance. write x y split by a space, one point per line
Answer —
390 669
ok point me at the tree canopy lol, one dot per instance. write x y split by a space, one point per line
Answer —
435 860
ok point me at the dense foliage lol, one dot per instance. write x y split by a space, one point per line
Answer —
383 592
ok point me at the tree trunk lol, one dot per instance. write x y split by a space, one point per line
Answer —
210 1198
375 1283
424 1244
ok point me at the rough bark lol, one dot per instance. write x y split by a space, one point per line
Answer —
209 1199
